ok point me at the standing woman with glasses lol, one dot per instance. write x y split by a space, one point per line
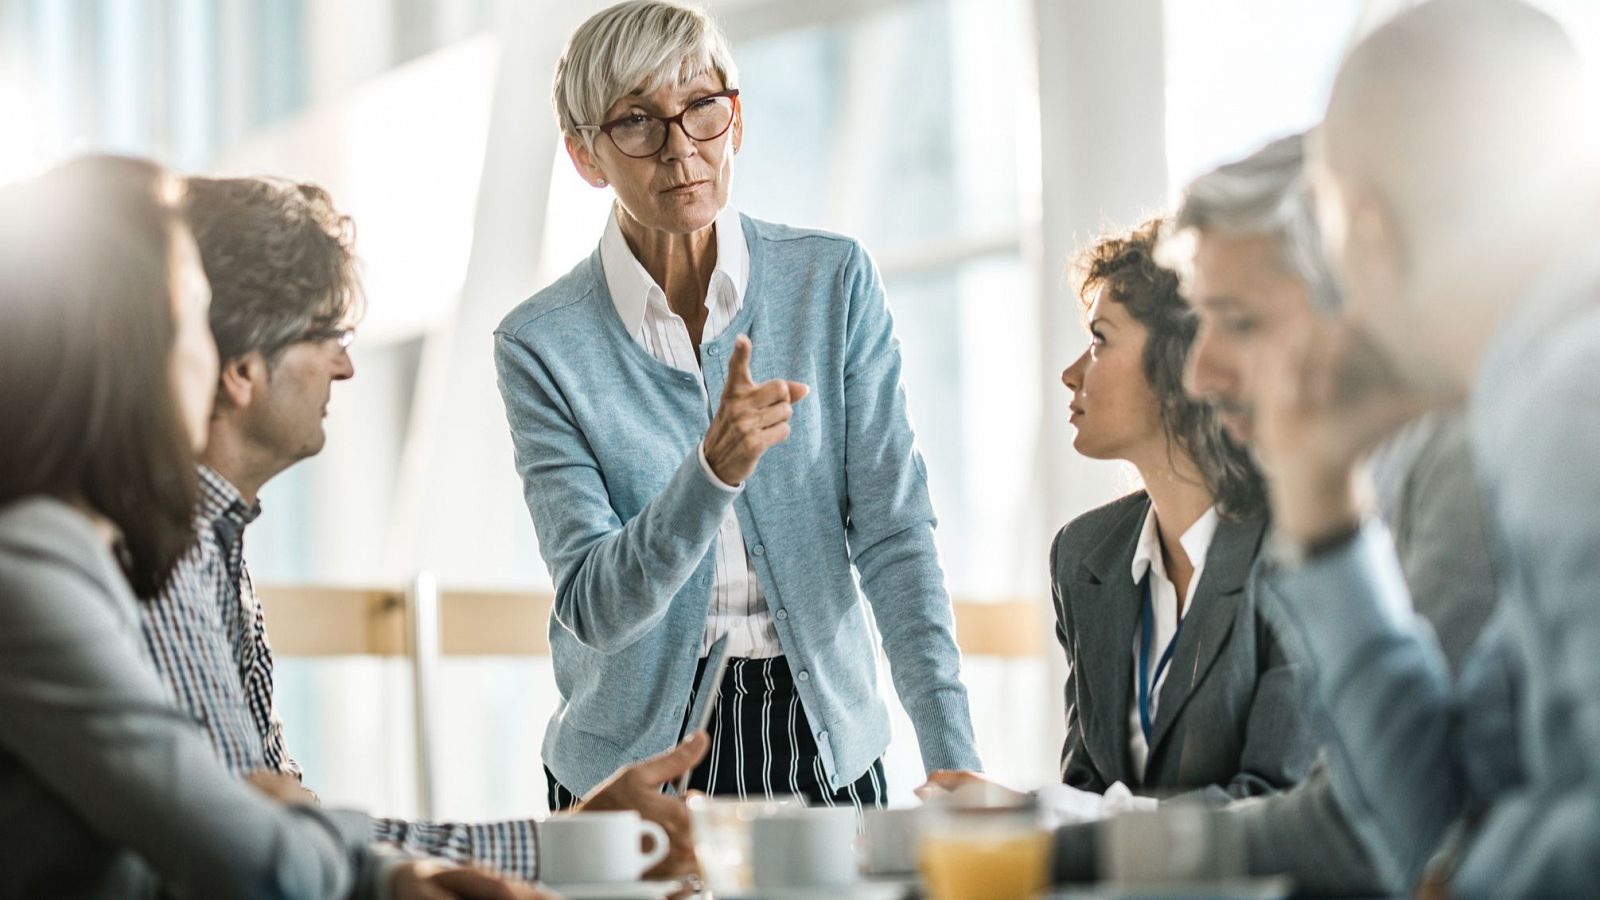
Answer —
712 436
1176 683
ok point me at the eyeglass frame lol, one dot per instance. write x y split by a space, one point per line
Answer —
667 122
344 336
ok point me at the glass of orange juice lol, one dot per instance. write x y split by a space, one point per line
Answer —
974 848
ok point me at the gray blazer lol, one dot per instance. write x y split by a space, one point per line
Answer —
106 790
1432 500
1230 721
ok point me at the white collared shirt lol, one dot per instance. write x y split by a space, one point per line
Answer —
738 606
1163 599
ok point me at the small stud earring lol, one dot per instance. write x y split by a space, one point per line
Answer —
599 182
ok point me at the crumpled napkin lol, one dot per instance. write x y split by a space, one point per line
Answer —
1065 805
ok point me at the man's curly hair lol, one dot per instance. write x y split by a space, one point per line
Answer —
281 261
1125 268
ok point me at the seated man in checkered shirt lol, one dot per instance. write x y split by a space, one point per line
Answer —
284 296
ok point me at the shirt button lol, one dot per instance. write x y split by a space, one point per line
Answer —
759 550
804 675
783 615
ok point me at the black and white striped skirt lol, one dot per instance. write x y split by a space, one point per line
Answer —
761 744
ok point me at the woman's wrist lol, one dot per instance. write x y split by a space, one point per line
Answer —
711 473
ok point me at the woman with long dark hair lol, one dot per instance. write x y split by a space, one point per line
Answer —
1176 683
107 373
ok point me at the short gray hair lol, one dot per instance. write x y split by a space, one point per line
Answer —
641 45
1264 194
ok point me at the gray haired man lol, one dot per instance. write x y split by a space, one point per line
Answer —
1245 239
1460 205
1255 273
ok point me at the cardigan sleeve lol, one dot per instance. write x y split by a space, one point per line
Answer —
1302 833
614 582
890 525
1383 685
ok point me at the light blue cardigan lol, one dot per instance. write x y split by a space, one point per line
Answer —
606 441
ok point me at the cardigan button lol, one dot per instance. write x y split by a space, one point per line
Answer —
712 349
783 615
759 550
803 675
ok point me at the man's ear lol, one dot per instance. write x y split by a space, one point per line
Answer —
1376 232
738 129
241 380
583 160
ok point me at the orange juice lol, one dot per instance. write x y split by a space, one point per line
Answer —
986 866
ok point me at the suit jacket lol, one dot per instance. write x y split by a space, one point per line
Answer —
1432 500
1230 722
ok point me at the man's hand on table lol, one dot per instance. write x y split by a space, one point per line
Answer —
431 879
638 787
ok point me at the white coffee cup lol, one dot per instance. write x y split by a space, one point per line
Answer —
812 847
598 847
890 838
1182 843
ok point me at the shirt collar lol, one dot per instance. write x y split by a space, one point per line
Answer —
633 290
1195 542
220 500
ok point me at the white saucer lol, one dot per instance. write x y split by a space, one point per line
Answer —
1272 888
874 889
623 890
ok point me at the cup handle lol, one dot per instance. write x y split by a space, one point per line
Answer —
659 845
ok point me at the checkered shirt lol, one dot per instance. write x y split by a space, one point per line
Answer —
206 635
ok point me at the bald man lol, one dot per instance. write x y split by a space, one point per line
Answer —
1459 207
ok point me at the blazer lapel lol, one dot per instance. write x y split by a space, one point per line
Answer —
1105 610
1207 626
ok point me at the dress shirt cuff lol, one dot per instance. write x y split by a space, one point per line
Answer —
1341 600
712 476
511 847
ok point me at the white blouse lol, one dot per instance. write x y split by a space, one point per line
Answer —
1164 601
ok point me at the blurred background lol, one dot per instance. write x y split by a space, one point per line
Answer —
971 144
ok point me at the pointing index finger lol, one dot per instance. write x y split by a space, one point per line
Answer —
739 364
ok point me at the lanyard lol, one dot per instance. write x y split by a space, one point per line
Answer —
1146 681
